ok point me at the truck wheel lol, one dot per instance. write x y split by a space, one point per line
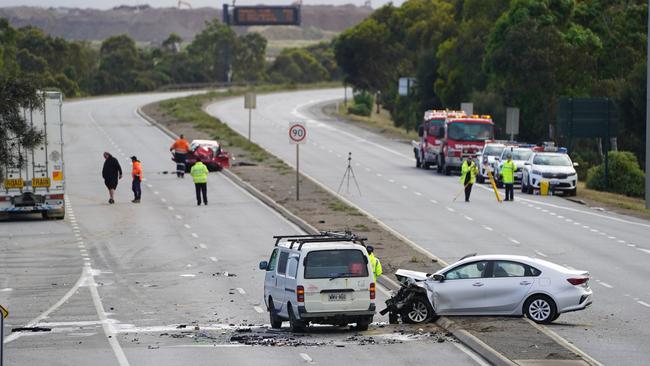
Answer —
418 311
296 326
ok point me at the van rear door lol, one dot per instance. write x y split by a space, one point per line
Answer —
336 280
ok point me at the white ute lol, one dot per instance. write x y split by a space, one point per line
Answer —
324 278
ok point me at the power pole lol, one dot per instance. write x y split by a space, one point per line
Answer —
647 121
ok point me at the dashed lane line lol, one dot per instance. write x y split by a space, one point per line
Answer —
646 251
541 254
487 228
258 309
468 218
214 259
241 291
195 235
450 209
417 193
170 208
644 303
433 201
187 226
605 284
203 246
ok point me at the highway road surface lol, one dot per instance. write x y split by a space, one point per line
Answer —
418 204
163 282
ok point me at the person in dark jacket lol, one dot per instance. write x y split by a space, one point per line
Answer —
111 172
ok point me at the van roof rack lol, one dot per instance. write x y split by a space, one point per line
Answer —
323 237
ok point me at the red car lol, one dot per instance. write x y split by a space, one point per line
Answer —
210 153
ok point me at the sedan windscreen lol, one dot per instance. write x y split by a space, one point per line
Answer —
554 160
493 150
335 263
521 154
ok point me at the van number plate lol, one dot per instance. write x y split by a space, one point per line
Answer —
337 297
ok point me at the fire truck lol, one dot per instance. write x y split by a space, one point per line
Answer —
448 137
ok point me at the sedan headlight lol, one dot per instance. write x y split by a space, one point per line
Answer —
571 174
536 172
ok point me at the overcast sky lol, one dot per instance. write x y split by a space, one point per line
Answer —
107 4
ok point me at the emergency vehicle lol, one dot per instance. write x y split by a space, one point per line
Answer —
449 137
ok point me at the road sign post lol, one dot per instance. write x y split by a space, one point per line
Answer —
512 122
250 103
3 314
297 136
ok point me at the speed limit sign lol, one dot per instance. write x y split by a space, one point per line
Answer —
297 133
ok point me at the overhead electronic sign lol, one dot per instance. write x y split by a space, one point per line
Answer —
266 15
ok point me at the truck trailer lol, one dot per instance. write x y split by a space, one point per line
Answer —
33 179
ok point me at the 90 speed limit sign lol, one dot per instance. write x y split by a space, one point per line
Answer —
297 133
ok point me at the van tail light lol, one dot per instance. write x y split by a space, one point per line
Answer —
54 197
372 291
300 294
578 281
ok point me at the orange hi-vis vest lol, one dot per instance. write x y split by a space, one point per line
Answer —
181 146
137 170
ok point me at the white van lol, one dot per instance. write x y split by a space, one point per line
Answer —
324 278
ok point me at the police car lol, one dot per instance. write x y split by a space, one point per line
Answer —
324 278
554 167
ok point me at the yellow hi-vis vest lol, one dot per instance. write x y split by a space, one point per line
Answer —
508 170
199 172
375 264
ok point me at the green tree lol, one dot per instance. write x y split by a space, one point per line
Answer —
16 94
210 49
249 58
118 65
296 65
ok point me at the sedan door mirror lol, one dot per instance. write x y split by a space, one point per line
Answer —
438 277
264 265
527 163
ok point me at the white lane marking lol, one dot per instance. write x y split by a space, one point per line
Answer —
241 291
368 169
585 227
468 218
163 200
306 357
586 213
188 275
450 209
538 208
214 259
170 208
433 201
560 216
631 245
594 230
605 284
203 246
179 217
258 309
541 254
6 289
552 213
487 228
149 185
195 235
379 174
644 303
417 193
621 241
155 192
646 251
611 237
392 180
405 187
187 226
544 210
514 241
109 331
568 220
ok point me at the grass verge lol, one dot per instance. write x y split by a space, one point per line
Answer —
615 202
381 122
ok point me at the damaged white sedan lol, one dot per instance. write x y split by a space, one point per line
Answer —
506 285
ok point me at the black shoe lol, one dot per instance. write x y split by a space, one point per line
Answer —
506 199
198 203
111 201
205 203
